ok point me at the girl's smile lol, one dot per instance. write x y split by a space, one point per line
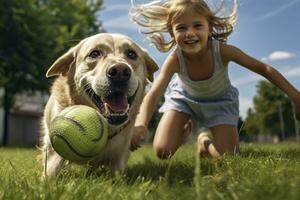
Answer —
191 31
191 41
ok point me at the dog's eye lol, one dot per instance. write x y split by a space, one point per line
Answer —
95 53
131 54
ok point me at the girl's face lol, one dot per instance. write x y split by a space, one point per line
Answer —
191 31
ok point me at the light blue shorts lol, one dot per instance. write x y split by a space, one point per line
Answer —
205 113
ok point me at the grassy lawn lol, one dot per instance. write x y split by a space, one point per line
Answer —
261 171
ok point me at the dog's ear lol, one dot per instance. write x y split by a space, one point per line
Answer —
63 63
151 65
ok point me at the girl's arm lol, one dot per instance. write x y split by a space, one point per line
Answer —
231 53
157 90
152 98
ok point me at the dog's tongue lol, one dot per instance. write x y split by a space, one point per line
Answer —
117 102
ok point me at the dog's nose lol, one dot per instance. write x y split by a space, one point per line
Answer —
119 72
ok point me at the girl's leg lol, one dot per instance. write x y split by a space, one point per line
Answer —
170 133
225 139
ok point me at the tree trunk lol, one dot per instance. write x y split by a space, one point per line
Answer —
7 105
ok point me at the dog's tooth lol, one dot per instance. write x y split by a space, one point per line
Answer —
117 114
127 109
106 109
106 106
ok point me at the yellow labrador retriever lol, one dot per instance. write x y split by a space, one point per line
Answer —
108 72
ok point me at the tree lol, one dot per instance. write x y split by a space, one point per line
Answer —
251 124
72 20
271 104
34 33
241 130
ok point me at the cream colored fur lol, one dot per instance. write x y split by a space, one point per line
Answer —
76 69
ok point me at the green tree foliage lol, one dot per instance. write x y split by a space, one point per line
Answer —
72 20
269 103
251 125
241 130
33 34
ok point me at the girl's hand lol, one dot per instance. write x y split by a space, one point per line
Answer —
139 135
297 107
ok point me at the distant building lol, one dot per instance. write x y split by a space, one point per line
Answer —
24 120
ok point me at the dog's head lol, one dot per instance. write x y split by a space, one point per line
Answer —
109 72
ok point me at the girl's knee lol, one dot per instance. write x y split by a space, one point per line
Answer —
163 152
232 148
226 139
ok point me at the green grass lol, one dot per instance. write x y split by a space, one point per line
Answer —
259 172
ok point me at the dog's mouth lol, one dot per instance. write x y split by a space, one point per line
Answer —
114 106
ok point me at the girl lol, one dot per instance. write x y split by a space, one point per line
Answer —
201 90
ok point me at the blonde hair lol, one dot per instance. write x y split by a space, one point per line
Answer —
156 18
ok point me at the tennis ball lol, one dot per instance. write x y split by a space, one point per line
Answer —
78 133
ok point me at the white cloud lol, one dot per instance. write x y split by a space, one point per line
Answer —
288 72
293 72
245 104
251 78
279 10
278 55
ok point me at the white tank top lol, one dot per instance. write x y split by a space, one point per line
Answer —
214 86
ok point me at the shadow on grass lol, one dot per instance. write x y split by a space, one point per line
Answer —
282 153
182 169
156 171
149 170
171 172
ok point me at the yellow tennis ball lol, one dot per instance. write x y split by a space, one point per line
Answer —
78 133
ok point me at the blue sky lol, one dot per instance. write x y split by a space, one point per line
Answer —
268 30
